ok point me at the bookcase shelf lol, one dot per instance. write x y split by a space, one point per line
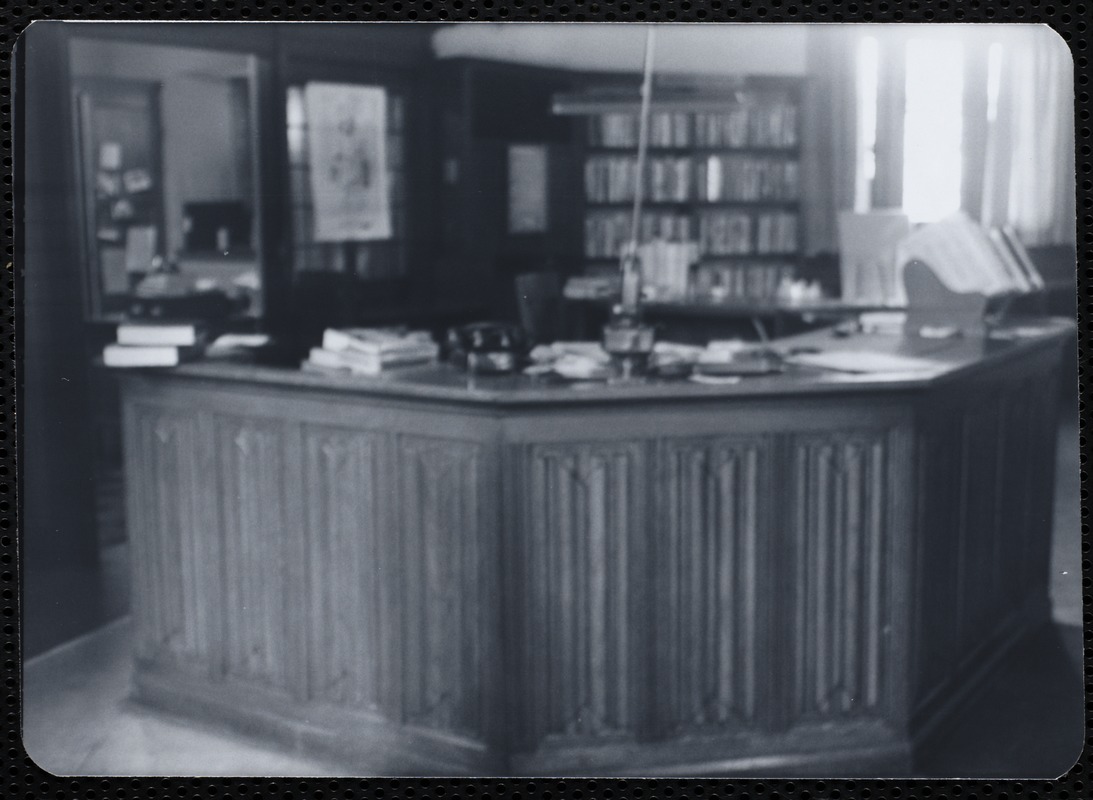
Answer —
723 171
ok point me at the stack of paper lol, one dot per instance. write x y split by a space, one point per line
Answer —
864 361
369 351
666 267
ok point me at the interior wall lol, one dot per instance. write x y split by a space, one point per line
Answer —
759 49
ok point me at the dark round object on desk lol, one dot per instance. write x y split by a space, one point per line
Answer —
486 348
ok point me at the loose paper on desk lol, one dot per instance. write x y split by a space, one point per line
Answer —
864 361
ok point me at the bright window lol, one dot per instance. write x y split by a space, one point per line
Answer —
933 129
867 78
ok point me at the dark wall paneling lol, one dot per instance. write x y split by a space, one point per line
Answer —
58 538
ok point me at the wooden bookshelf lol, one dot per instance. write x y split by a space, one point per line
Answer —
723 171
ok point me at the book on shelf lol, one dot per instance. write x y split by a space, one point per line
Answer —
746 178
742 280
125 355
607 230
763 126
614 179
179 334
620 129
725 232
776 232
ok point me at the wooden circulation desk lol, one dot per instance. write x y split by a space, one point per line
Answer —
800 573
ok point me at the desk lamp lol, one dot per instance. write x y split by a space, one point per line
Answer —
626 338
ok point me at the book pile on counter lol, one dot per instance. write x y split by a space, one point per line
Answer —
141 343
370 351
155 344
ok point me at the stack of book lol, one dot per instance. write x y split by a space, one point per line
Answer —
370 351
155 344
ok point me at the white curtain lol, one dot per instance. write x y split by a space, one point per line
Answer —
1029 175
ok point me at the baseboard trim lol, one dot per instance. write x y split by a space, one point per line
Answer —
361 742
969 682
834 749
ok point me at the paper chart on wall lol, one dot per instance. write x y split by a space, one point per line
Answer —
347 127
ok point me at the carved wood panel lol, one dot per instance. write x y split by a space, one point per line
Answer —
348 576
842 556
258 592
175 561
711 522
581 545
447 551
936 638
979 558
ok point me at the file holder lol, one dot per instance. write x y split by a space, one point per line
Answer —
931 304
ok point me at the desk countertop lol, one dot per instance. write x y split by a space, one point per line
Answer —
444 383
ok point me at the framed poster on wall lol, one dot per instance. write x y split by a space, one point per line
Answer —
348 153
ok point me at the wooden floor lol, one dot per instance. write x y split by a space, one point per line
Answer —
1026 723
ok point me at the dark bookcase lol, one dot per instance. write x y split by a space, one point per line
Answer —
723 171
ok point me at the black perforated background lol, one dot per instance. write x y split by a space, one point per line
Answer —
21 777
